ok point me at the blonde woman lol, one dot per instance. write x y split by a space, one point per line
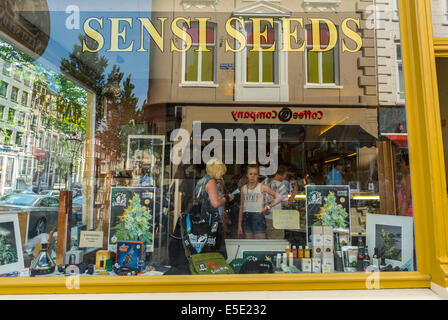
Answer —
211 191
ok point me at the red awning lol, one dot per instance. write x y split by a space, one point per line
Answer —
400 140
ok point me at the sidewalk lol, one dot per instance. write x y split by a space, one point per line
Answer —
385 294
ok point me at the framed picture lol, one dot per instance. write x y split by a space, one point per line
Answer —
132 215
327 206
11 255
393 236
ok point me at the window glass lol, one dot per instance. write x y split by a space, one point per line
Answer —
299 154
3 88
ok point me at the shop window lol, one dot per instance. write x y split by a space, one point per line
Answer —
322 67
200 66
15 94
262 65
2 111
3 88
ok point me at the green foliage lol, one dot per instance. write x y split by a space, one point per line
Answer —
135 223
332 214
8 253
388 245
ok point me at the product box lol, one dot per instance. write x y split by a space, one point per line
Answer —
316 265
317 236
131 254
317 252
73 257
101 257
328 259
306 265
328 238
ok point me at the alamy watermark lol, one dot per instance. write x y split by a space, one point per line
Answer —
188 147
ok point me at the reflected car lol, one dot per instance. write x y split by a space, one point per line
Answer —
51 193
43 211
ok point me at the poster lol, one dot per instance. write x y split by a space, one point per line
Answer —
327 206
11 256
132 213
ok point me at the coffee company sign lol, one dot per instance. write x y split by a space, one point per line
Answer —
27 23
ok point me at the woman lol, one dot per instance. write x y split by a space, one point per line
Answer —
210 190
251 220
404 192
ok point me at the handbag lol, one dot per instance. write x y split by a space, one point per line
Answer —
203 263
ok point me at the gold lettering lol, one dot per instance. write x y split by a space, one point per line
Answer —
352 35
149 27
287 34
181 34
202 35
315 23
257 34
93 34
235 34
115 35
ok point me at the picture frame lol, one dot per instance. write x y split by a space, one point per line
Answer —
125 198
394 238
319 196
11 259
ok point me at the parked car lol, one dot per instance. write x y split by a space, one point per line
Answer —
51 193
43 211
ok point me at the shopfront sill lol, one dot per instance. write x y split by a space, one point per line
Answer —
198 85
217 283
318 86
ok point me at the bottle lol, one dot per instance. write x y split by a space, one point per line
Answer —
291 260
288 250
278 262
285 259
294 252
366 260
300 252
307 252
361 252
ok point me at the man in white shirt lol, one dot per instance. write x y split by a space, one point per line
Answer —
276 184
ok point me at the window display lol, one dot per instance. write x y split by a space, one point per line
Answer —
244 138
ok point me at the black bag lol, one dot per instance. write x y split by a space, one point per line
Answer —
257 267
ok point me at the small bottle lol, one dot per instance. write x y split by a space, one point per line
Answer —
366 261
278 262
291 260
300 252
294 252
288 250
285 259
307 252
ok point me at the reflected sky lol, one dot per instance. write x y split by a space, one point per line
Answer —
62 39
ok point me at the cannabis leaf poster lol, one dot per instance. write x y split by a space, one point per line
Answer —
132 215
327 206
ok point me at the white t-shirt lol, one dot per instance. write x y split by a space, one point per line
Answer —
280 188
253 199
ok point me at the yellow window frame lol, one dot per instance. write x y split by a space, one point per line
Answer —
429 199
